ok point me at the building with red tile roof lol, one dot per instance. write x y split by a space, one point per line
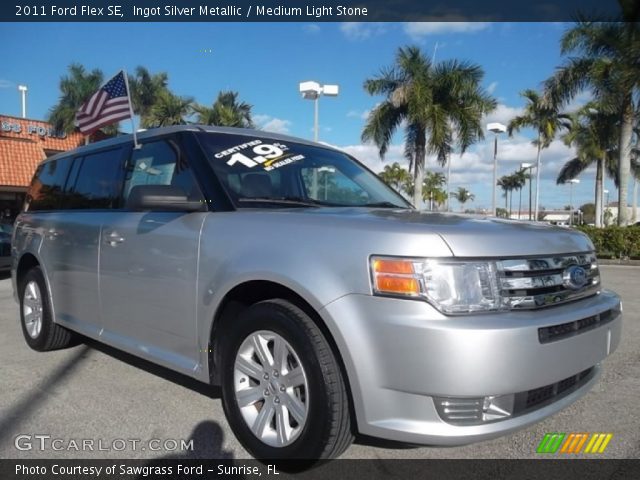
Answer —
24 143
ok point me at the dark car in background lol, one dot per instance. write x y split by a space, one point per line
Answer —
5 247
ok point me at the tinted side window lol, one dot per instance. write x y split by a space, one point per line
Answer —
98 182
47 185
160 163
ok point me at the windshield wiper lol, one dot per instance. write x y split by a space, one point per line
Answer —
291 201
382 205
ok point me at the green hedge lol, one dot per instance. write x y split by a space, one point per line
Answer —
616 242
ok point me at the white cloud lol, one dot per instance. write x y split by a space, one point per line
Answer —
474 169
311 28
492 87
6 83
358 114
579 100
369 155
362 30
503 114
418 30
272 124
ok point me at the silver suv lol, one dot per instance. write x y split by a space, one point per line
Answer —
317 297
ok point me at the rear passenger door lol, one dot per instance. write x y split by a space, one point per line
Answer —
148 264
72 237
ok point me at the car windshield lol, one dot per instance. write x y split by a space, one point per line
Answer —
265 173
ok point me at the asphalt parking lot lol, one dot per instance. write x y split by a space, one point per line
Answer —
136 410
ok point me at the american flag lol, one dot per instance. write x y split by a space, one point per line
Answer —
108 105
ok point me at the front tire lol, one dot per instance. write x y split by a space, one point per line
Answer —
40 331
283 391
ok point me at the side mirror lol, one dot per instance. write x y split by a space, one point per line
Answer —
162 198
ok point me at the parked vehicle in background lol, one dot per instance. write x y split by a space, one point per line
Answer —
6 231
317 297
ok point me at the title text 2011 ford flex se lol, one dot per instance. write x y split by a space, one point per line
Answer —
318 298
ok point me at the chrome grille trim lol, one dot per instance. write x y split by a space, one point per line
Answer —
557 262
531 283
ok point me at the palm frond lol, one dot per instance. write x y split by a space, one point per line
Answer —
381 125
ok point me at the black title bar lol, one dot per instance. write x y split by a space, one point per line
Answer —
169 469
308 11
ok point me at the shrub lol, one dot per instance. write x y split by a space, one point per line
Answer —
619 242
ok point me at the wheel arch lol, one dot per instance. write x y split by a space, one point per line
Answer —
250 292
26 263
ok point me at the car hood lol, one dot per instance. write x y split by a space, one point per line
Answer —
465 235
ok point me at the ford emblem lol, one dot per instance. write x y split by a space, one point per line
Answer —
574 277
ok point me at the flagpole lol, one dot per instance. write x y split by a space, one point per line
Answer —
136 145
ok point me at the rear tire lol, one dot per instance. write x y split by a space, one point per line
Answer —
40 331
282 389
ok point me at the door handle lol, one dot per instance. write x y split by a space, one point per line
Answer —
113 239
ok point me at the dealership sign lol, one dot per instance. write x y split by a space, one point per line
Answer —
32 129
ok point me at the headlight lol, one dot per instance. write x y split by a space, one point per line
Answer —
453 287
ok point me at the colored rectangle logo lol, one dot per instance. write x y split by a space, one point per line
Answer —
574 443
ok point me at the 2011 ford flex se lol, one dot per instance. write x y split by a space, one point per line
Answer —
318 298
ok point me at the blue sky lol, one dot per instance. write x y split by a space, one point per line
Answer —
264 62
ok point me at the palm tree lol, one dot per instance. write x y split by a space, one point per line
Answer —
396 177
593 132
520 178
146 89
512 184
226 112
434 103
170 109
432 187
462 195
543 116
439 197
504 183
75 89
605 57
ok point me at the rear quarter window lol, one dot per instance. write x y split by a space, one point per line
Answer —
47 187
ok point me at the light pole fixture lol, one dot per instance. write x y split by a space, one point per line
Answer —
327 170
528 166
571 183
497 129
311 91
23 90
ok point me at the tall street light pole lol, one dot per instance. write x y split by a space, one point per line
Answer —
571 183
23 91
312 91
528 166
496 128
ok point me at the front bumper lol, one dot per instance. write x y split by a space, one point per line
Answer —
400 354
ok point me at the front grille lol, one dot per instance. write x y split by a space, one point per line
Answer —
564 330
532 283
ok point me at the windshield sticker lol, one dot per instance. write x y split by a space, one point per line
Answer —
250 154
282 162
